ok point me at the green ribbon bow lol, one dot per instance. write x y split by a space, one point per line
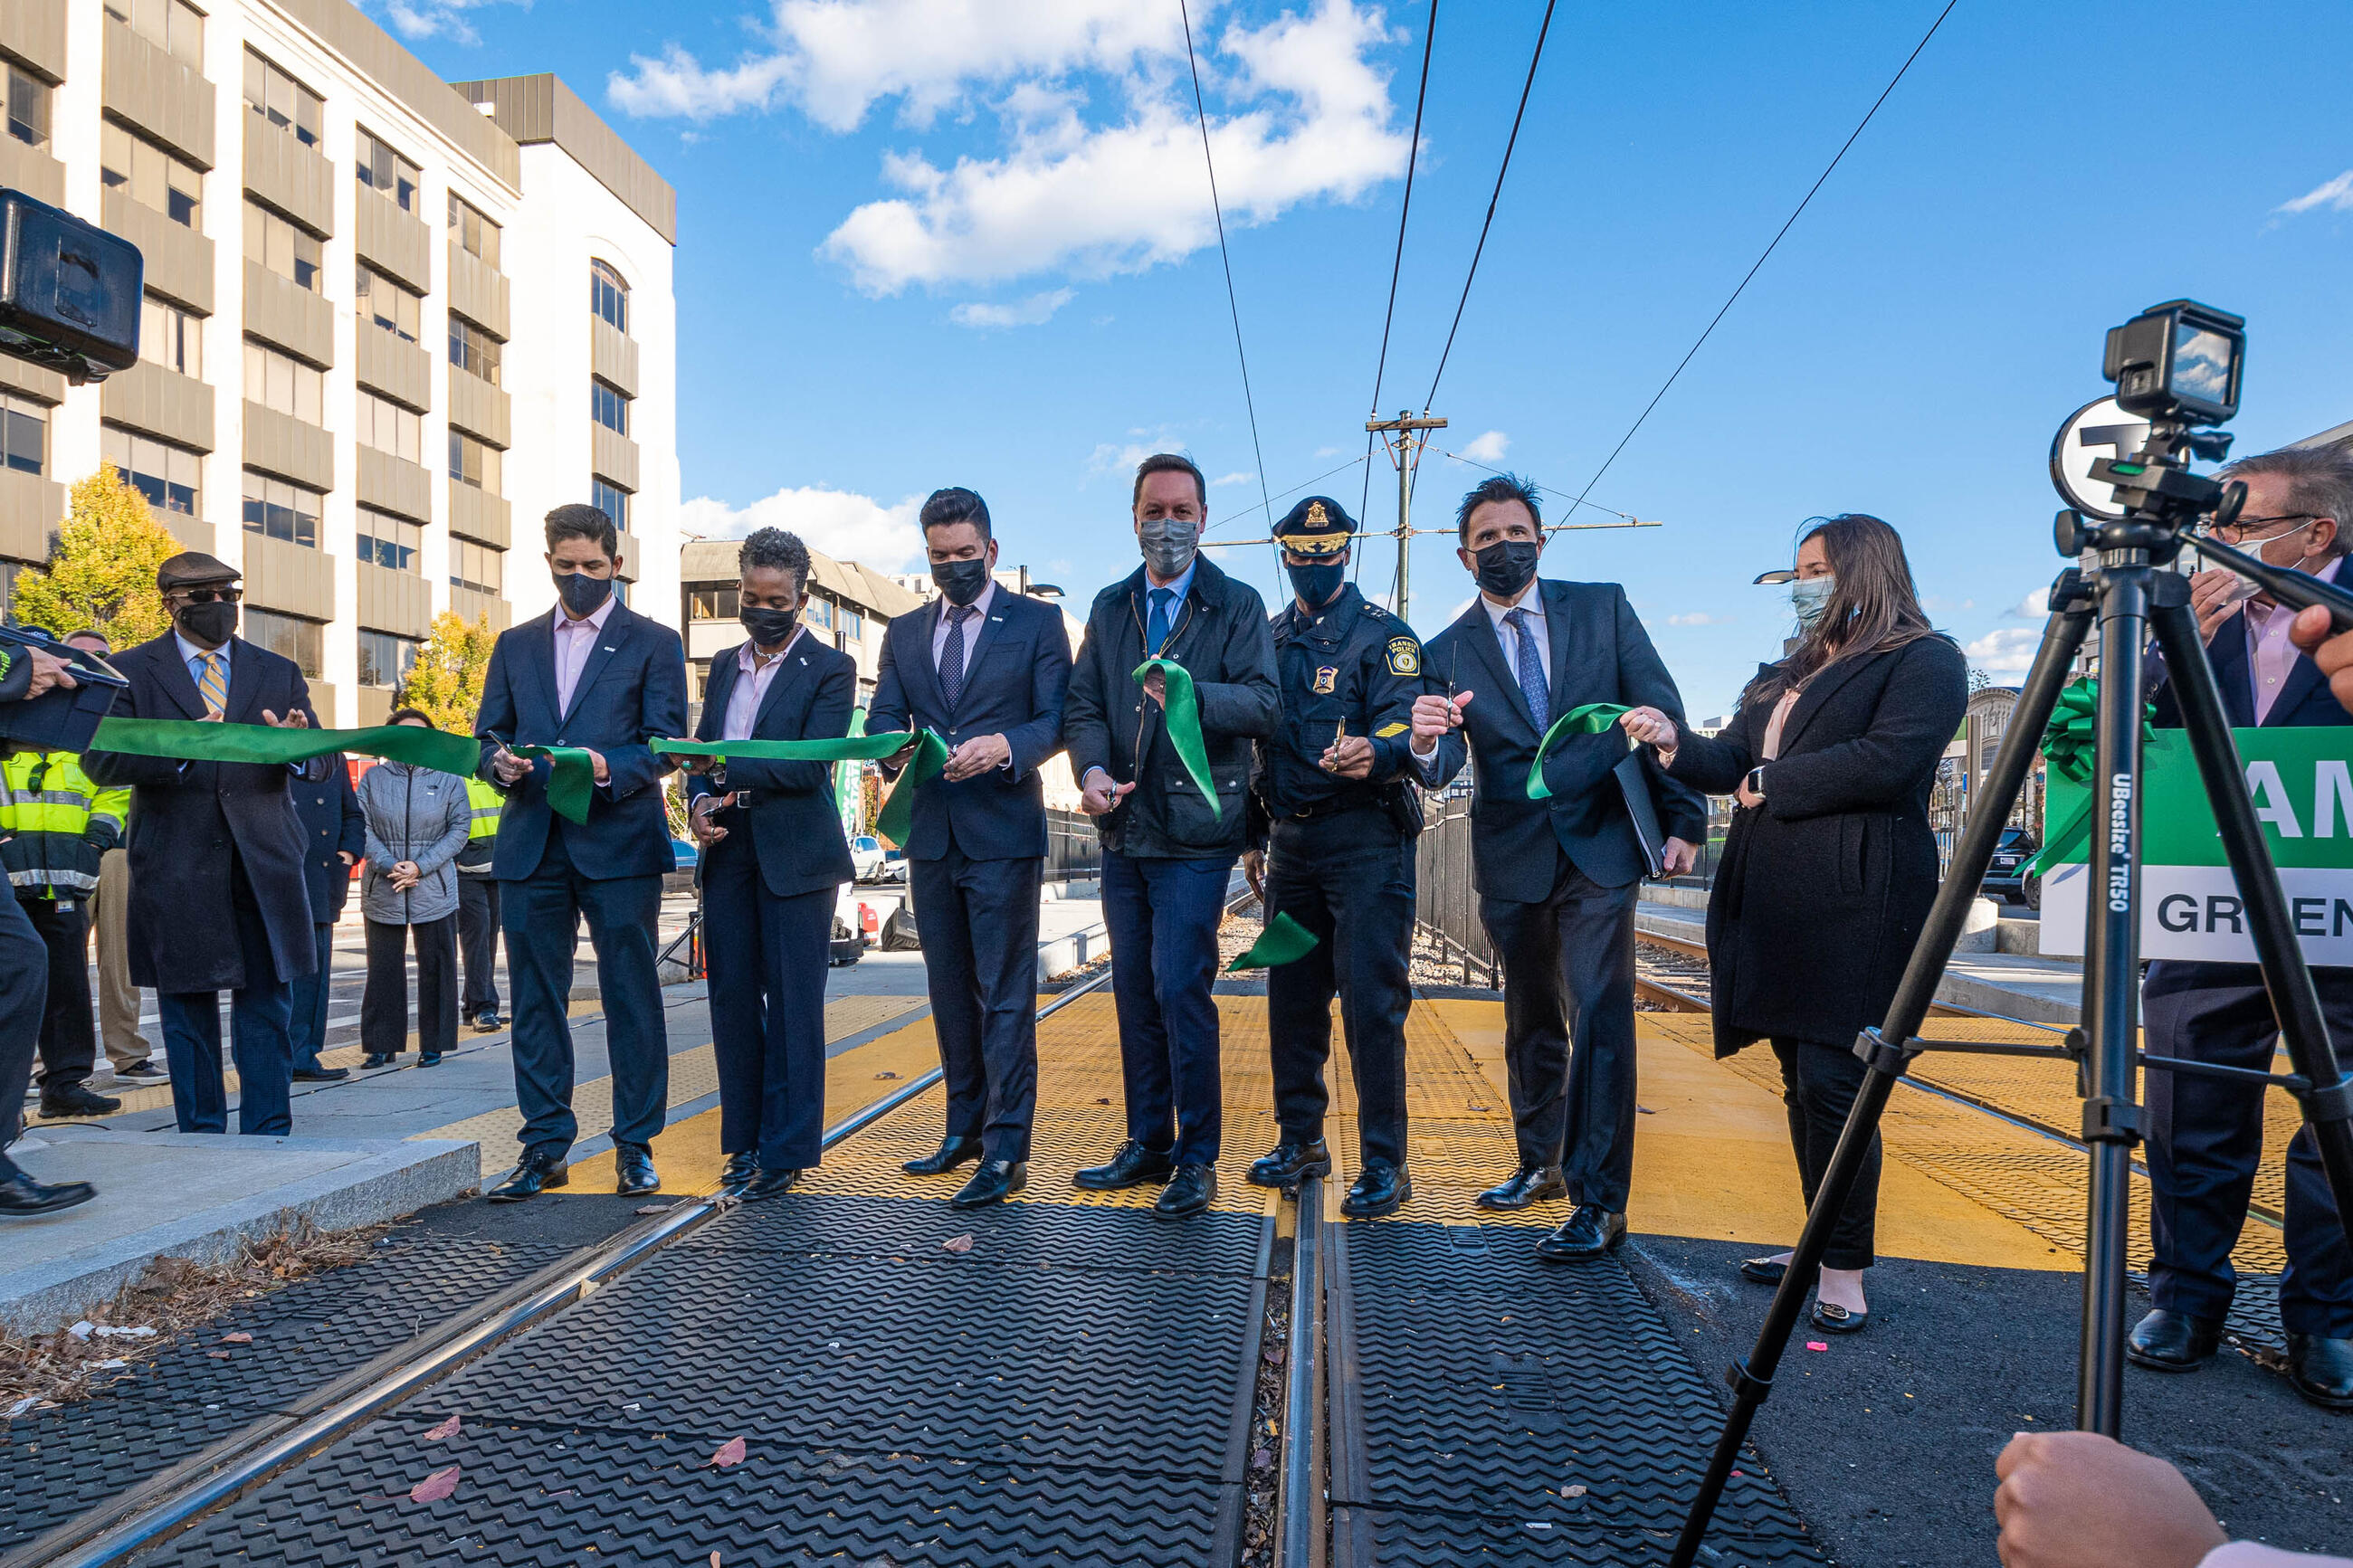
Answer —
188 739
1184 710
1590 720
2067 745
1284 940
897 815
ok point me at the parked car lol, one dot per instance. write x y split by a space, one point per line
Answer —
866 857
894 867
2006 876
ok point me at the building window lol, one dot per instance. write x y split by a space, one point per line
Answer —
474 463
24 434
281 100
280 510
853 625
168 475
818 612
285 249
172 26
288 636
389 542
171 337
386 660
151 176
608 406
381 168
8 570
280 381
388 427
475 234
611 500
608 296
477 567
713 602
388 304
29 106
472 349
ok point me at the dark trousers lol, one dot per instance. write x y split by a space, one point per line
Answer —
68 1037
979 925
766 957
23 991
310 1004
478 939
384 1003
1348 879
1568 974
2206 1141
260 1042
1819 1084
541 915
1164 913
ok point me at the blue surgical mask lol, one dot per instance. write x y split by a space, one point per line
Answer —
1811 596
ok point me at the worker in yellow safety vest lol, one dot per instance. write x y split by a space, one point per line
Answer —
54 825
477 906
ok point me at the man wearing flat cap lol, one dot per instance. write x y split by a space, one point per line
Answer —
218 899
1335 852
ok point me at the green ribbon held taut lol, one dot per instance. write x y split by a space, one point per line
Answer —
1184 711
2068 742
1284 940
1590 720
896 818
189 740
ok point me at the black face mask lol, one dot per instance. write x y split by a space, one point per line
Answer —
210 624
1505 566
1317 584
769 628
581 592
961 580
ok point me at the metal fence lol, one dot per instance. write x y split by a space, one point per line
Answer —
1073 854
1444 904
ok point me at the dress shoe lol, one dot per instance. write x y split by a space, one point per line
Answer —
1833 1319
1288 1164
2173 1342
533 1174
2321 1370
1190 1189
320 1074
738 1169
1591 1231
767 1184
374 1059
76 1099
633 1171
486 1021
996 1181
146 1069
1528 1184
428 1058
1764 1271
952 1152
21 1197
1131 1166
1381 1188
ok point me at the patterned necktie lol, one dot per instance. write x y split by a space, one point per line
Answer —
951 656
1155 630
1532 675
213 684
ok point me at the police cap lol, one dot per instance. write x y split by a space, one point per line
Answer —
1317 526
195 569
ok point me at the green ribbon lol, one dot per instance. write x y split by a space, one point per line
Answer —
1590 720
1284 940
2068 742
896 818
571 779
1184 710
189 740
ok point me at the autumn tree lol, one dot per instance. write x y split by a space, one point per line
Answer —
102 572
447 682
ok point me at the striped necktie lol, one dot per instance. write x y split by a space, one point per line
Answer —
211 685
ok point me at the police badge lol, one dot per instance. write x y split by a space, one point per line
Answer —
1324 679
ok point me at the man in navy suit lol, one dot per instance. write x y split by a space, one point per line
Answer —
1557 877
987 670
334 837
2206 1136
593 674
773 860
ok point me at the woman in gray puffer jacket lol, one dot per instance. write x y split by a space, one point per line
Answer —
416 823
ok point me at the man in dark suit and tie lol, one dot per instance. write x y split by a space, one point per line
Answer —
334 837
986 669
218 900
1557 877
2206 1136
773 860
593 675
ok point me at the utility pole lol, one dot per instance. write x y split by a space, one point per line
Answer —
1398 436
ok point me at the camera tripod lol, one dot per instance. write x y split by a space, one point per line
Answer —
2131 593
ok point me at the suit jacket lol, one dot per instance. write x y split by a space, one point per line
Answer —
331 821
632 690
1600 653
792 824
1017 673
186 817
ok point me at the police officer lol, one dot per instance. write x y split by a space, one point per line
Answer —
54 825
477 906
1341 824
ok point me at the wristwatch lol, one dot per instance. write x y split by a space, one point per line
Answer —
1756 781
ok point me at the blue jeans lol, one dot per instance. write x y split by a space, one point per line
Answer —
1164 913
310 1025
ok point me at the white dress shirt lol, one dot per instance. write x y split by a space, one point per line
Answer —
753 680
575 641
1531 599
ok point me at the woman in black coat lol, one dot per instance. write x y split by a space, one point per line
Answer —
1830 867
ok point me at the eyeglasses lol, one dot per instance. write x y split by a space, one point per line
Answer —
2235 532
207 596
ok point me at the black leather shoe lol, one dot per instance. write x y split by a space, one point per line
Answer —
633 1170
428 1058
2321 1370
484 1023
374 1059
996 1181
1380 1189
2173 1342
1190 1189
1288 1164
76 1099
1591 1231
952 1152
1764 1271
533 1174
738 1169
1131 1166
1528 1184
767 1184
320 1075
21 1197
1833 1319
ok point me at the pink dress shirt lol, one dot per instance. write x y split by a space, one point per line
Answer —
751 687
575 641
2270 654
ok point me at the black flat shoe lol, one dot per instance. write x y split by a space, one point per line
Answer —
320 1075
1764 1271
1190 1189
1381 1188
1591 1231
75 1099
952 1152
2321 1368
21 1197
533 1174
372 1061
429 1059
1528 1184
1288 1164
1132 1166
738 1169
767 1184
1833 1319
487 1023
996 1181
633 1171
2173 1342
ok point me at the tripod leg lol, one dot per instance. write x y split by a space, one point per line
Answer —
1884 1048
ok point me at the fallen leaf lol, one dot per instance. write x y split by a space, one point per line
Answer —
1262 1459
1817 1345
435 1486
715 1560
240 1338
1739 1472
1102 1099
1646 1111
730 1453
1572 1491
218 1355
1483 1108
444 1431
956 1244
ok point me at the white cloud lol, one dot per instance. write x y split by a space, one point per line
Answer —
2035 606
1327 451
1030 312
438 19
2335 194
1697 619
841 523
2007 650
1237 478
1489 447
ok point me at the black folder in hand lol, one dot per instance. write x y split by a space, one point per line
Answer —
1635 786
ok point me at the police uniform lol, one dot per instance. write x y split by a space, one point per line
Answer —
54 825
1340 861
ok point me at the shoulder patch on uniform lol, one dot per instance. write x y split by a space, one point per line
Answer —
1405 657
1390 732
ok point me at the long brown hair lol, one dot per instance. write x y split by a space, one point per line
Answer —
1873 606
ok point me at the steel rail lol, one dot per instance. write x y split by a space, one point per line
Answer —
1302 1541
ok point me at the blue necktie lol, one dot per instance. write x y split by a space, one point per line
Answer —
1532 675
951 656
1155 630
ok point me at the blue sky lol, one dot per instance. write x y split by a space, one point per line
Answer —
929 242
